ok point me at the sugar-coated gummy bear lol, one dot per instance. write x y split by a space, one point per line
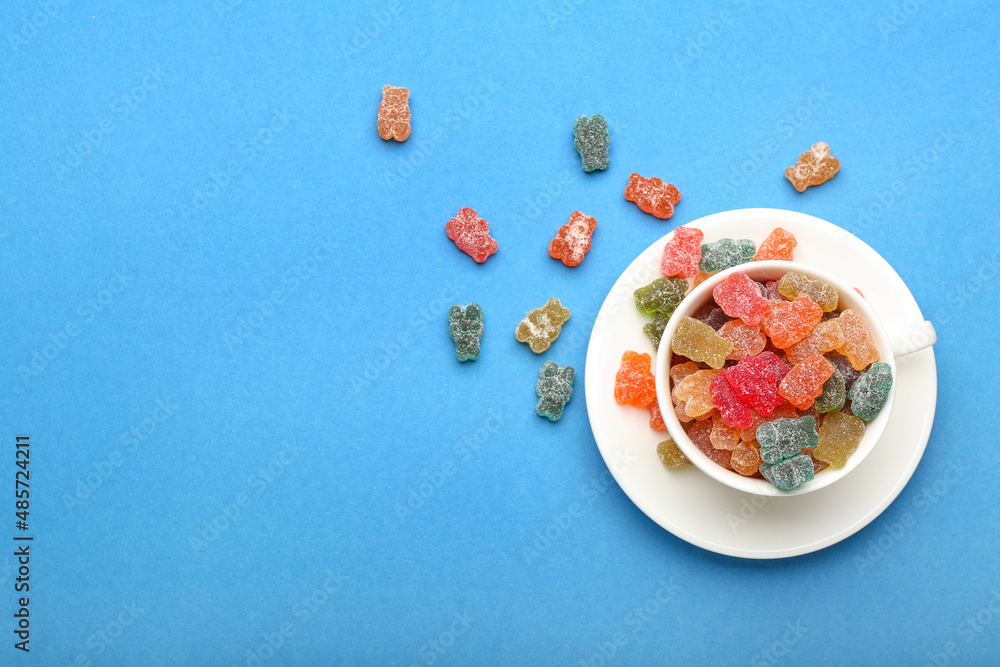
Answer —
592 142
791 321
844 366
789 473
671 455
771 292
871 391
541 326
712 315
634 383
573 239
655 329
824 337
465 324
681 370
699 342
696 392
747 340
805 381
779 244
834 394
655 416
784 438
726 253
661 296
739 296
724 436
746 459
839 436
821 292
814 167
755 380
554 389
701 435
682 253
734 412
471 234
858 347
783 411
394 114
652 195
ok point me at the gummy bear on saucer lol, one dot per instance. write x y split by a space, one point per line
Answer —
541 326
725 253
465 324
671 455
573 239
592 142
661 296
554 389
652 195
655 329
634 383
471 234
779 244
682 253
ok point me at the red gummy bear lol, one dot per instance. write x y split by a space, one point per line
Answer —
755 381
572 241
682 253
471 234
739 296
734 411
652 195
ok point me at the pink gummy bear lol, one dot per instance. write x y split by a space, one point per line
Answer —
471 234
682 253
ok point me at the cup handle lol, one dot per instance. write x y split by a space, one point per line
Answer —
913 339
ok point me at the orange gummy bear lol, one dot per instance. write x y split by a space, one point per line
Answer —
696 392
634 383
652 195
825 337
722 436
394 114
858 347
814 167
791 321
701 435
779 244
655 416
747 340
573 239
805 381
746 458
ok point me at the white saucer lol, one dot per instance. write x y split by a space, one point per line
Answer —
700 510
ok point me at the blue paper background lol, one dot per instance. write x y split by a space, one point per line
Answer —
238 244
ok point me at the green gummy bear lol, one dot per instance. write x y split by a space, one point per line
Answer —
656 328
833 396
661 296
466 324
724 253
790 472
871 390
554 389
784 438
592 141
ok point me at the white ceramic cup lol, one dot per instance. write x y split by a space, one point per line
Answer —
889 347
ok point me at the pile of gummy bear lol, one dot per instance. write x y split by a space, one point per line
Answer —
769 380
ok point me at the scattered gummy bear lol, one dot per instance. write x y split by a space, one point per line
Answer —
839 436
833 396
779 244
572 241
634 383
726 253
858 347
682 253
661 296
471 234
789 473
671 455
871 391
790 321
784 438
465 324
739 296
805 381
592 141
652 195
814 167
655 329
554 389
394 114
821 292
699 342
541 326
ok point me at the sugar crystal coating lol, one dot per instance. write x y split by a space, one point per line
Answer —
541 326
592 142
858 347
471 234
779 244
745 459
839 436
701 435
784 438
634 383
655 329
671 455
789 473
682 253
844 366
783 411
825 337
711 315
724 436
790 321
821 292
655 416
661 296
733 411
465 324
696 392
554 389
652 195
871 391
814 167
805 380
740 297
747 340
394 114
726 253
699 342
573 239
755 380
833 396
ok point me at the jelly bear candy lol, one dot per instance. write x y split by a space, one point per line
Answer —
783 411
821 292
652 195
839 436
739 296
745 459
471 234
845 368
712 315
656 328
784 438
554 389
682 253
871 391
465 324
779 244
755 380
394 114
696 392
725 253
858 347
541 326
826 336
572 241
661 296
814 167
790 321
671 455
655 416
789 473
833 396
805 381
747 340
699 342
771 292
701 435
592 141
681 370
724 436
634 383
733 410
